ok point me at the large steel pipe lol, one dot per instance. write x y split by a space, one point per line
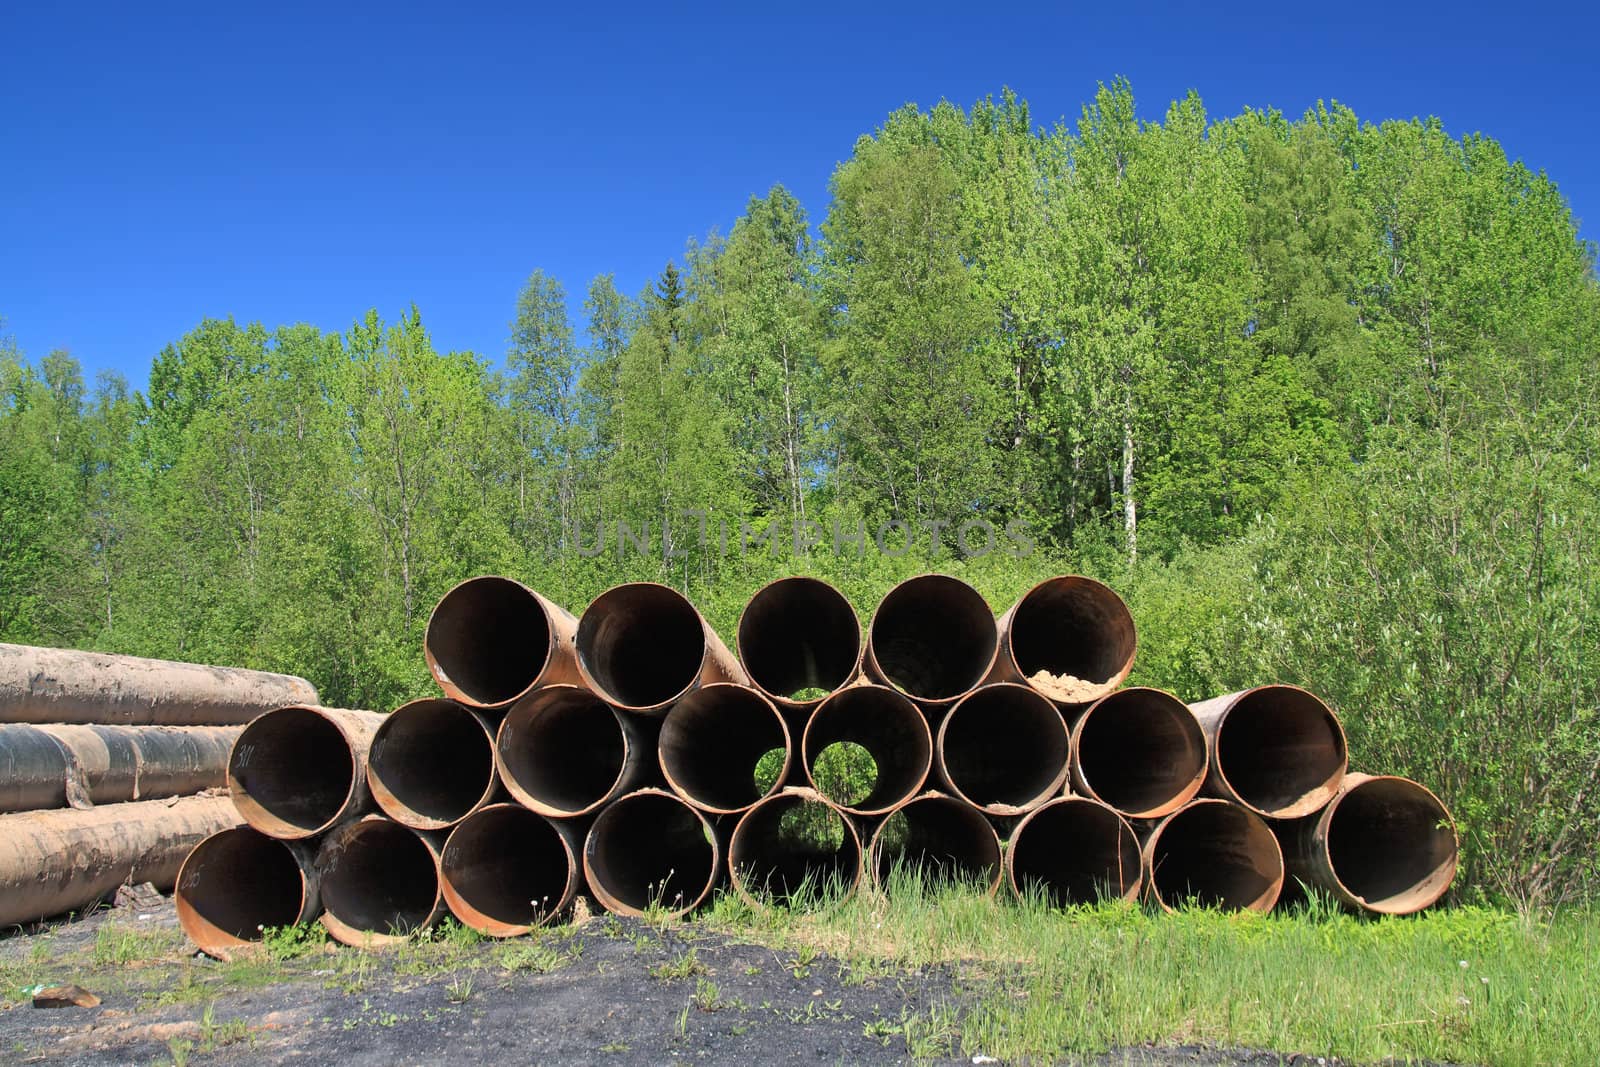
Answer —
76 766
1214 854
794 847
1069 637
380 881
564 752
643 646
1075 851
1383 844
60 685
1276 749
297 771
58 861
1004 748
239 883
490 640
650 849
506 869
431 764
1141 751
933 638
799 640
939 838
712 741
894 733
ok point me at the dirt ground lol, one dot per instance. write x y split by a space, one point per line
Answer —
611 992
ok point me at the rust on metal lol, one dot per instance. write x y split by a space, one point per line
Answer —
798 634
650 849
712 742
1216 854
1074 850
894 733
940 838
1070 637
380 881
300 770
643 646
60 766
239 883
60 685
1004 748
932 638
431 764
793 847
491 640
1140 750
506 870
564 752
1276 749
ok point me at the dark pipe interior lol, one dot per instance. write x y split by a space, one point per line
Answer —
296 765
641 644
1215 855
1072 627
1075 852
490 637
434 757
563 747
508 864
797 634
383 880
1387 840
891 729
1278 747
934 637
651 848
1005 745
793 850
712 741
942 839
241 881
1141 749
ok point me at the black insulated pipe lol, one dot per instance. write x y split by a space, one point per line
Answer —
238 883
432 764
794 848
1004 748
933 638
506 869
1070 637
1276 749
1075 851
894 733
380 882
798 634
59 766
713 739
490 640
941 839
564 752
1214 854
650 849
642 646
1140 750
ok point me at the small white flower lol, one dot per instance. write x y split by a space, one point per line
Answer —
1463 965
1484 980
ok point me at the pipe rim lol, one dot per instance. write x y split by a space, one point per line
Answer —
519 718
824 590
962 809
208 935
265 819
441 673
909 713
1189 790
603 892
388 801
1103 597
1124 830
1259 832
1420 895
791 796
1311 800
470 915
587 625
955 587
1057 783
334 846
714 691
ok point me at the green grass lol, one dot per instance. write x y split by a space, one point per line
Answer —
1467 985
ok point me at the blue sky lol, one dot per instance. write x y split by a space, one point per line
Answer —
297 164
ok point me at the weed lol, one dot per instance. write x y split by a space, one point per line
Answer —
179 1050
459 991
707 997
292 942
115 945
616 1046
684 965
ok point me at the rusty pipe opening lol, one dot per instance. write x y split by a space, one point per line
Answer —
1070 637
563 751
799 634
432 764
380 882
794 848
1141 751
1276 749
938 839
505 870
1213 853
1004 748
1075 851
641 646
293 773
238 883
933 637
713 739
891 729
650 848
491 639
1390 845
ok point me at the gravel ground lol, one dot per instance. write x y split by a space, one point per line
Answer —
616 993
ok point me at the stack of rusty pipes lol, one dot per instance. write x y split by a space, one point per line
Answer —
616 756
111 769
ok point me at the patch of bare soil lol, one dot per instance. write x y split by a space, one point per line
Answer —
1065 687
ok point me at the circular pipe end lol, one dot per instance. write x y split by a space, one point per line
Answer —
292 773
236 884
1071 638
795 849
641 646
1216 854
1004 748
505 870
1141 751
380 883
932 638
891 729
431 764
564 752
797 635
941 839
1389 843
712 742
651 850
1280 751
488 641
1074 850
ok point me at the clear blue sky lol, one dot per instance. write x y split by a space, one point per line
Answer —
296 164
